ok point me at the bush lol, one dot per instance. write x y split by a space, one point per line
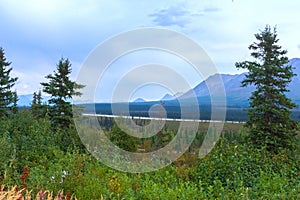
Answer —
33 157
232 163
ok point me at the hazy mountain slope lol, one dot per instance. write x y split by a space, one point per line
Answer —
236 94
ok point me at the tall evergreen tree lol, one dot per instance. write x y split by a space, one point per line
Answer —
62 89
7 96
37 108
39 98
15 99
34 99
269 113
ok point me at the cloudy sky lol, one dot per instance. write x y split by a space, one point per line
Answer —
35 34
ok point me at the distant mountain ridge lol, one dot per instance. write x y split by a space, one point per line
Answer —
182 106
168 97
26 100
235 94
139 100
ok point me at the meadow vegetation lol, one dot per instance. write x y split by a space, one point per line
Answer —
34 157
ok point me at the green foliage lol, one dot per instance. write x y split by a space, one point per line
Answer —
6 151
68 138
237 167
232 164
32 140
122 139
38 109
61 89
8 98
55 162
270 124
15 99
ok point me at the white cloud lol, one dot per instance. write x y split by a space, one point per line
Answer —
27 83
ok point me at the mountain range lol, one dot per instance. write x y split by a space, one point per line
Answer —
26 100
236 95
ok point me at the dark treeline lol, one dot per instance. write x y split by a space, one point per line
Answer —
174 112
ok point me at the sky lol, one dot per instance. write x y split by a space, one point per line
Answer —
35 34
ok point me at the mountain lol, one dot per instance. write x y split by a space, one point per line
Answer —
26 100
139 100
213 83
235 94
182 106
294 86
167 97
212 86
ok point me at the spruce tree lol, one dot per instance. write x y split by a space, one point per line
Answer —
39 98
8 98
62 89
15 99
269 113
38 110
34 99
